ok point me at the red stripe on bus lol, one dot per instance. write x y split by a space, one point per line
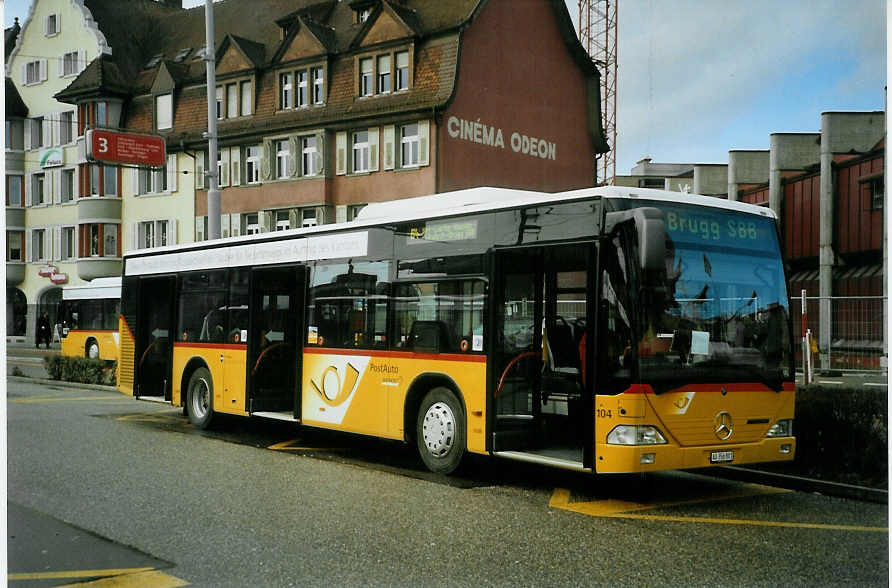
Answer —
397 354
735 387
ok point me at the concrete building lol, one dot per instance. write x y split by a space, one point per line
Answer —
322 106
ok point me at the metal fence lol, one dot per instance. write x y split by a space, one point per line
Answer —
856 333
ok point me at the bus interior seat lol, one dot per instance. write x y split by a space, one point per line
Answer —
429 336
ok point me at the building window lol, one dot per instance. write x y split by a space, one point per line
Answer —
110 180
232 100
353 210
14 242
70 64
14 190
111 240
68 242
308 217
67 185
52 25
164 111
15 134
285 91
363 14
302 88
219 102
252 225
153 234
94 180
246 98
316 73
365 76
252 164
409 145
151 181
309 156
361 151
38 196
66 127
100 114
38 240
402 71
384 74
37 132
94 240
283 156
34 72
283 222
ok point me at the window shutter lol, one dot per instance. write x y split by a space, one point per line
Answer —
60 62
27 144
266 221
199 228
57 243
47 244
29 249
47 129
58 23
134 235
341 147
27 179
293 148
236 163
25 75
224 225
46 24
199 170
172 237
388 147
424 142
320 153
81 60
266 165
373 149
57 186
293 218
135 175
235 223
43 70
172 172
76 187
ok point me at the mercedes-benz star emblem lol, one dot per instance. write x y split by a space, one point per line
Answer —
723 425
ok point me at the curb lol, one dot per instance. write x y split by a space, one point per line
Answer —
64 384
801 484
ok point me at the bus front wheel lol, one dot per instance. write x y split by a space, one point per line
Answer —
200 398
440 431
92 350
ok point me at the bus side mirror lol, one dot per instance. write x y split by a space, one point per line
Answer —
650 227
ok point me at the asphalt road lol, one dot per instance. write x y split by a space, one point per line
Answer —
272 505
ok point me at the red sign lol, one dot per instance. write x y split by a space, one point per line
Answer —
117 147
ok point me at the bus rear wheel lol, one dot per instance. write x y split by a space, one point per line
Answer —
200 398
440 431
92 349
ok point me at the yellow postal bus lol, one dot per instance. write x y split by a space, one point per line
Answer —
602 330
88 319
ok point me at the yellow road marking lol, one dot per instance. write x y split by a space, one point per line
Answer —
289 446
619 509
153 579
78 574
66 399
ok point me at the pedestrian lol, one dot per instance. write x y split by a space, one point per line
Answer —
43 330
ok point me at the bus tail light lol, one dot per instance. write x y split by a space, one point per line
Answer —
635 435
782 428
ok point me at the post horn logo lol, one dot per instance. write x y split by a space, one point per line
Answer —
332 391
723 426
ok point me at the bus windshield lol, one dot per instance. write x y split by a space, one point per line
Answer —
719 312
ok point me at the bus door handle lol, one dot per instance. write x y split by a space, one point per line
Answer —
221 358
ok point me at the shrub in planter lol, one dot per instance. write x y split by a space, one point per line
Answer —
81 369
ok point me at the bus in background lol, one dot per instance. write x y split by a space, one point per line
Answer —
88 319
604 330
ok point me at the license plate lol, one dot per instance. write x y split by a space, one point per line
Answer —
721 456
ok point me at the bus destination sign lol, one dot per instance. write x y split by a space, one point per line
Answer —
462 230
125 148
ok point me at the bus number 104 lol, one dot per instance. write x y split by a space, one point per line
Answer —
603 413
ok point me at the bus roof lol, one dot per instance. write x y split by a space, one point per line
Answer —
469 201
99 288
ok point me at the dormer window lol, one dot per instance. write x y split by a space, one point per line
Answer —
301 88
154 61
382 74
182 54
363 14
200 54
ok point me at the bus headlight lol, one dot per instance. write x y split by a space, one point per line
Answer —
635 435
782 428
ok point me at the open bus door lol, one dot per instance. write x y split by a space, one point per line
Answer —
154 349
274 342
541 403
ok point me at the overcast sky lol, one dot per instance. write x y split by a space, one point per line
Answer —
698 78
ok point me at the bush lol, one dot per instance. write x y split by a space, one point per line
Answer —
81 369
841 434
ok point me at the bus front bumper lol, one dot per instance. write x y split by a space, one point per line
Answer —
646 458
